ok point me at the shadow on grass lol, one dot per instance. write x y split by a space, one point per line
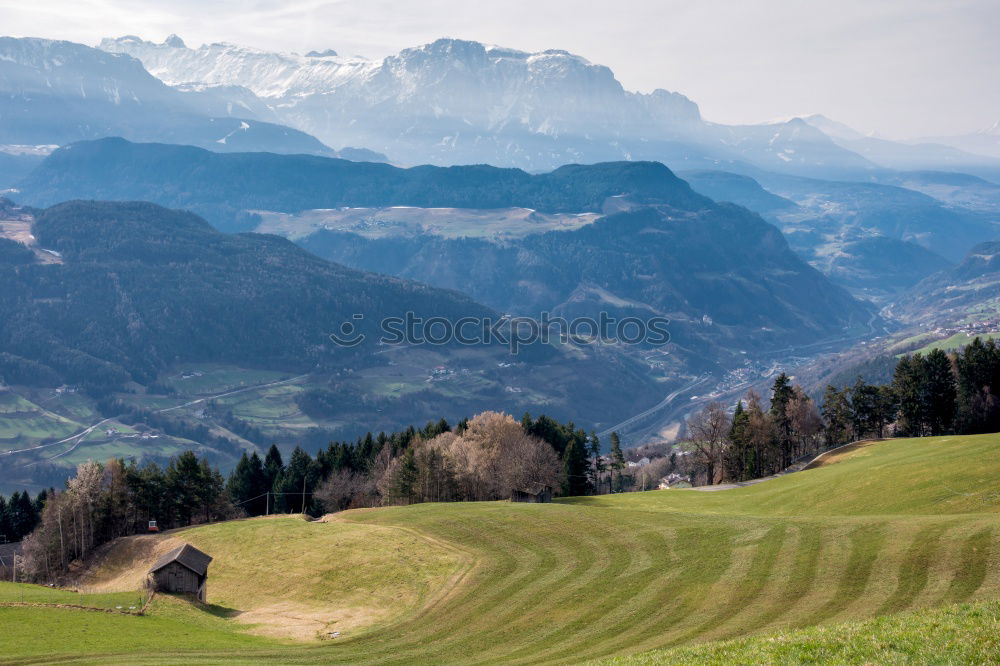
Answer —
215 610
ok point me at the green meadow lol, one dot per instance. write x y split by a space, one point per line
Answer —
888 553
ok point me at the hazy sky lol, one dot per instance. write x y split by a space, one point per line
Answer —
904 68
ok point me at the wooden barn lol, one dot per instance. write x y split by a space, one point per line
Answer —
536 493
183 570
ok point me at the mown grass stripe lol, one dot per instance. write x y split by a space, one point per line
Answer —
765 554
705 554
912 572
598 621
972 567
866 543
801 578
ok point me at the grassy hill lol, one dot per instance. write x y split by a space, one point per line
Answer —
903 525
961 634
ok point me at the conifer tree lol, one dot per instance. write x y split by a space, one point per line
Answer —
273 466
908 385
404 484
939 393
6 530
597 462
575 469
738 457
781 394
617 461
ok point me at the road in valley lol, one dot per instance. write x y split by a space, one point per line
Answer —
655 408
78 437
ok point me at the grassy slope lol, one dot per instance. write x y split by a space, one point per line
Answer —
289 577
951 343
960 634
899 525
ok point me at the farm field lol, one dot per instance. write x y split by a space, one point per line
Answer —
806 561
23 421
956 341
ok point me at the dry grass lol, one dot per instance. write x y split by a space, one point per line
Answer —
287 577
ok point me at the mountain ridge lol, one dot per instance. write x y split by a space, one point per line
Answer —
456 101
224 186
57 92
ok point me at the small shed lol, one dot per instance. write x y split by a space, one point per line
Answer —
183 570
535 493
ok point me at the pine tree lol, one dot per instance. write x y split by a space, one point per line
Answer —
837 416
864 400
978 369
781 394
273 467
183 486
404 483
40 500
575 469
886 406
299 476
238 485
597 462
738 460
211 490
257 485
617 460
939 393
6 530
908 385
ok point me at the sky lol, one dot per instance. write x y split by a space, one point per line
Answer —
901 68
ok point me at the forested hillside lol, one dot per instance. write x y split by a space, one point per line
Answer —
723 268
221 187
141 287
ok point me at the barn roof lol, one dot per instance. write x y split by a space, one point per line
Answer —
188 556
535 488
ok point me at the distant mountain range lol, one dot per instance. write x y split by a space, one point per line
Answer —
448 102
660 248
457 102
875 238
56 92
225 187
969 291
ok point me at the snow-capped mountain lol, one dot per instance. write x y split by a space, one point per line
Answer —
272 76
448 102
56 92
455 101
551 93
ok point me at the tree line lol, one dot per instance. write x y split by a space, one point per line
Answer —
19 515
930 394
483 458
105 501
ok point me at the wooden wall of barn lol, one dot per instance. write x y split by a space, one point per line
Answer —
178 579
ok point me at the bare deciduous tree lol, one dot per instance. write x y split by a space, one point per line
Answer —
806 421
708 431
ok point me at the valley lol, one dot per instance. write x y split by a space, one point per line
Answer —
395 333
